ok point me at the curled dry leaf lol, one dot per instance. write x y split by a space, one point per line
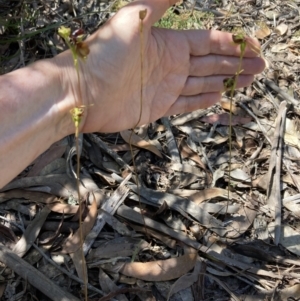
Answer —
161 270
281 29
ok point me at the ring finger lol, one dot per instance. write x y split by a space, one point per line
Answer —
208 84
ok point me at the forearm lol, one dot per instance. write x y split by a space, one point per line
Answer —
33 113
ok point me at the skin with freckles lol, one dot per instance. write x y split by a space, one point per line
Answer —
183 71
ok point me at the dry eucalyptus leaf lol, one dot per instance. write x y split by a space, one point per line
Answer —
219 208
293 206
80 264
241 221
108 285
7 233
118 247
63 208
73 243
60 185
55 151
291 134
31 233
289 293
173 222
263 31
57 166
186 152
34 196
209 193
281 29
271 15
169 242
261 182
186 117
225 104
279 47
119 147
186 168
161 270
289 237
240 175
185 280
291 179
137 141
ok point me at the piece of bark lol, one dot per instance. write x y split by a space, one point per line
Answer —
273 193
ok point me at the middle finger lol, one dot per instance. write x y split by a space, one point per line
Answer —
223 65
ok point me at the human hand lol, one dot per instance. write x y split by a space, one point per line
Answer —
183 70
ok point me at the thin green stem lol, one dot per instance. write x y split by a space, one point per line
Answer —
142 15
242 42
79 196
76 114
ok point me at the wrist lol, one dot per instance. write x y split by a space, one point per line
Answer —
33 115
54 96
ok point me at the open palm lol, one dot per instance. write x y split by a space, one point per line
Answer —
183 70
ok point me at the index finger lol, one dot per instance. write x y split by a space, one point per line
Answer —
203 42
